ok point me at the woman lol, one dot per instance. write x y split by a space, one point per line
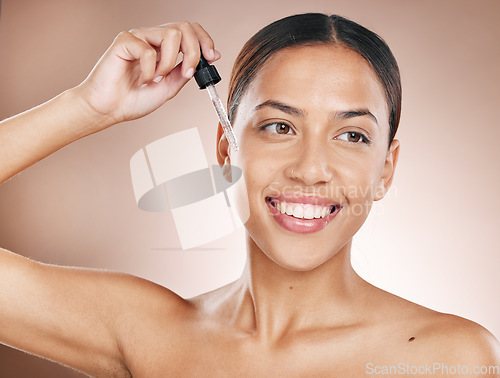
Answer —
315 103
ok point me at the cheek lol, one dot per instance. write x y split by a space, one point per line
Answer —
256 176
358 179
259 164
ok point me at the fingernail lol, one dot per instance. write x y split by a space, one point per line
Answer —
212 54
157 79
144 85
190 73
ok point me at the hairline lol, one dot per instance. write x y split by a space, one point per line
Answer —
334 42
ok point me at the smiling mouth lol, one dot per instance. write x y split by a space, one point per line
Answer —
304 214
302 210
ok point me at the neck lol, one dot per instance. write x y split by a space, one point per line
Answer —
274 300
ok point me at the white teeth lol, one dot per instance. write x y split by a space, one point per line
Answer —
302 211
317 212
309 212
324 212
298 211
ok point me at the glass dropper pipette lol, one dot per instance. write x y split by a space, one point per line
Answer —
206 77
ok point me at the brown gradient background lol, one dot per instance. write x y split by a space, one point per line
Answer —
434 240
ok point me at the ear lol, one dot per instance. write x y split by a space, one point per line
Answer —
222 146
223 157
391 161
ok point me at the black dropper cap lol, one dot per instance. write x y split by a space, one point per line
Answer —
206 74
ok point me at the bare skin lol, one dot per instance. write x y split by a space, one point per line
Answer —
299 308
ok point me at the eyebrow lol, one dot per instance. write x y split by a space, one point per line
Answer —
346 114
355 113
280 106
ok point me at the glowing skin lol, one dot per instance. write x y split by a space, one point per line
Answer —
299 309
303 94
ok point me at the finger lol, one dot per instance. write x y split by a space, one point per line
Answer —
166 41
169 51
217 55
190 48
131 48
206 43
175 80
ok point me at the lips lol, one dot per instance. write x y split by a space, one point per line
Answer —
302 214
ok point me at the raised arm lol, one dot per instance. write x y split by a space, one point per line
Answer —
82 318
135 76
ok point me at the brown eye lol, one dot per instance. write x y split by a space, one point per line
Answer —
353 137
281 128
278 128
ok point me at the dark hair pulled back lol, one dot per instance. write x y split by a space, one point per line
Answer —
311 29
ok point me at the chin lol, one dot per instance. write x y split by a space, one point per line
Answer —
298 255
299 244
299 266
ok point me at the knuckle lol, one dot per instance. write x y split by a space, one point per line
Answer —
191 55
185 24
200 30
123 35
150 52
138 32
172 33
135 31
189 52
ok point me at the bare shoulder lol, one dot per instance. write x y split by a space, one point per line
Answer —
104 315
147 292
148 306
425 336
455 338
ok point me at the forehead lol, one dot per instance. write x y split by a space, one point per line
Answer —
317 79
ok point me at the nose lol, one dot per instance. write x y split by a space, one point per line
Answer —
312 165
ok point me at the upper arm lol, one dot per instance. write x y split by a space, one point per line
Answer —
462 342
77 317
481 351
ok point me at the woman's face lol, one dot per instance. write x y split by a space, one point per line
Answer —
313 133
